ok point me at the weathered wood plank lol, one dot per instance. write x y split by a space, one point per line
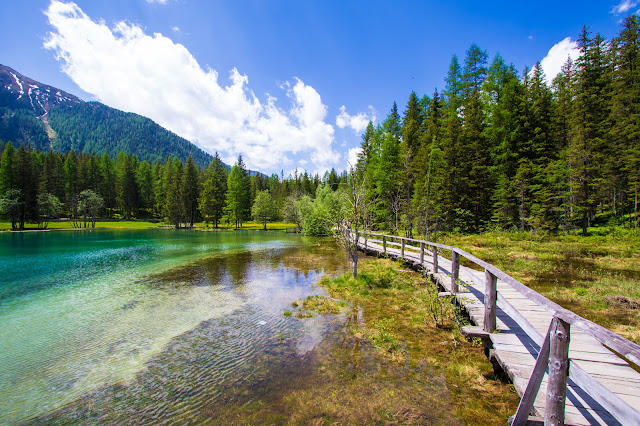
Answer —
573 354
474 331
490 301
533 385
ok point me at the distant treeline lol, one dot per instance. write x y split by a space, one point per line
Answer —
36 186
501 149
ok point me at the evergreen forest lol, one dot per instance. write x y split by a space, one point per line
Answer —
500 149
497 148
38 186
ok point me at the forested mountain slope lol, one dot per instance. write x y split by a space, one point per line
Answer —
45 117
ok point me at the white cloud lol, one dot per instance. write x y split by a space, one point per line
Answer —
175 29
151 75
157 1
624 6
557 56
352 157
356 122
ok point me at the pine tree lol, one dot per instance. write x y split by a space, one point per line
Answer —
588 131
411 143
212 197
108 188
474 158
475 69
451 142
126 186
190 191
237 207
8 177
173 203
429 168
625 116
388 174
26 176
503 99
51 178
71 181
144 182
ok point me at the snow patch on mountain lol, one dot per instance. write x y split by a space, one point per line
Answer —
19 83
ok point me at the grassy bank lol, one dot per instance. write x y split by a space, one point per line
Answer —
133 224
597 277
115 224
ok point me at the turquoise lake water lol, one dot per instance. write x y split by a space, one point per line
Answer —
147 325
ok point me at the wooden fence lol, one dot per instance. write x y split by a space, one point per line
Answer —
554 353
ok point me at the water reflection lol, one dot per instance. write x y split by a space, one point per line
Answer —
240 295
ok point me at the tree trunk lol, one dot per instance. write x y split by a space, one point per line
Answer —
354 264
636 210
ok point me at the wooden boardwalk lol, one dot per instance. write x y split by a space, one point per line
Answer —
522 329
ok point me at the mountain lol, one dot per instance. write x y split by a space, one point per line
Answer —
49 118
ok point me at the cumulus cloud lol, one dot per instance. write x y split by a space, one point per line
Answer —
352 157
624 6
157 1
356 122
151 75
557 56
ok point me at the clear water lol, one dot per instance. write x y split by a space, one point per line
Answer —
155 322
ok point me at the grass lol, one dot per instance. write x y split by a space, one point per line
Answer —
314 305
271 226
410 328
134 224
597 277
120 224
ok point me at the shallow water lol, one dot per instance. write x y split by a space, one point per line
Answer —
101 325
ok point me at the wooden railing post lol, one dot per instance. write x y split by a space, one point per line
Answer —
490 299
558 369
421 253
384 244
435 259
455 271
402 247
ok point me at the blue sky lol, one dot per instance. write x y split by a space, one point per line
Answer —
285 83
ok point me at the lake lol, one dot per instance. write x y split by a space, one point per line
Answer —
150 325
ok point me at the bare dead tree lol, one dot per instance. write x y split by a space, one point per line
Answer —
355 216
396 203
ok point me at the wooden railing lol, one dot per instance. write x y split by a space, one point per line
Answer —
554 346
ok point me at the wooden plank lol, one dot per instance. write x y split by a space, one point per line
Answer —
573 354
474 331
606 369
533 385
616 406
